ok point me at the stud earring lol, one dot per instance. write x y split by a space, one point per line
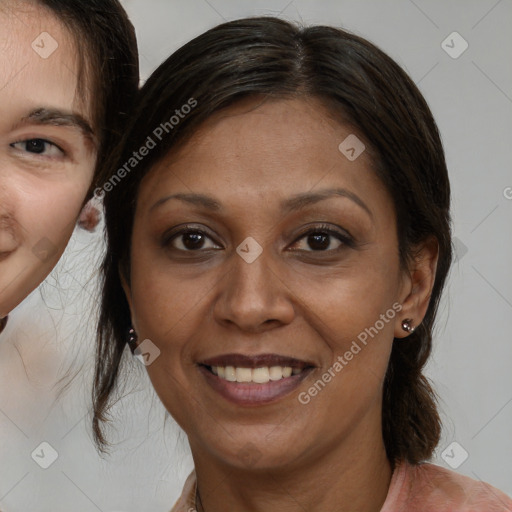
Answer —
407 327
132 339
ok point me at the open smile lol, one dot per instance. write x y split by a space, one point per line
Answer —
254 380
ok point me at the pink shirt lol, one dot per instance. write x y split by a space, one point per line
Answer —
422 488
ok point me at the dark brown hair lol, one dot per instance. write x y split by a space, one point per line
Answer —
108 66
360 86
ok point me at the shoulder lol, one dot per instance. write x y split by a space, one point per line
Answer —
426 487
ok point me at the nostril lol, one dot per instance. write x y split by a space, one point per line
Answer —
7 242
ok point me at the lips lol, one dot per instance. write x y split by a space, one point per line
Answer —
254 380
256 361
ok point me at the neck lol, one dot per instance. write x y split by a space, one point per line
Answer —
352 476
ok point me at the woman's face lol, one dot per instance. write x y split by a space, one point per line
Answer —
47 153
260 248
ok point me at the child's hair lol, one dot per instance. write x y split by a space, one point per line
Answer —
108 66
360 86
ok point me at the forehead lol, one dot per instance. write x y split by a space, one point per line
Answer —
39 64
265 149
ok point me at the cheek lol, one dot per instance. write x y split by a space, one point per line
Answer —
354 306
51 212
353 318
168 312
166 306
44 219
350 313
167 302
343 303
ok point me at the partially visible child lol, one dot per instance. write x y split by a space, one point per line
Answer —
68 75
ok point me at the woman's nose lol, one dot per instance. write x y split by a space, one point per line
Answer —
251 295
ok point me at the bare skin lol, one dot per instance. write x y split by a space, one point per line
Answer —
308 298
47 151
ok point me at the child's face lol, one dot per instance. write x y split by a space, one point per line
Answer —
47 150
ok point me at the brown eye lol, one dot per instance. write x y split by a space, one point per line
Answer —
193 241
319 241
322 239
189 240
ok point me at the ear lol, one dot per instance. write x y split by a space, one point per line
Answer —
417 285
128 293
90 215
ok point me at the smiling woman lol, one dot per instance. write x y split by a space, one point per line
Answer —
60 117
290 238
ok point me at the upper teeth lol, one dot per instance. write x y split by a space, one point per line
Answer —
258 375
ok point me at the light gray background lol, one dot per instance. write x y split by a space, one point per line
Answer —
471 98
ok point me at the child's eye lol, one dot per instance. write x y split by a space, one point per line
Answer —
38 147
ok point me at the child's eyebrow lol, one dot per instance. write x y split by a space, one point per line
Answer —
57 117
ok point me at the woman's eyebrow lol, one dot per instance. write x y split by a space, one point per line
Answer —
302 200
57 117
288 205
